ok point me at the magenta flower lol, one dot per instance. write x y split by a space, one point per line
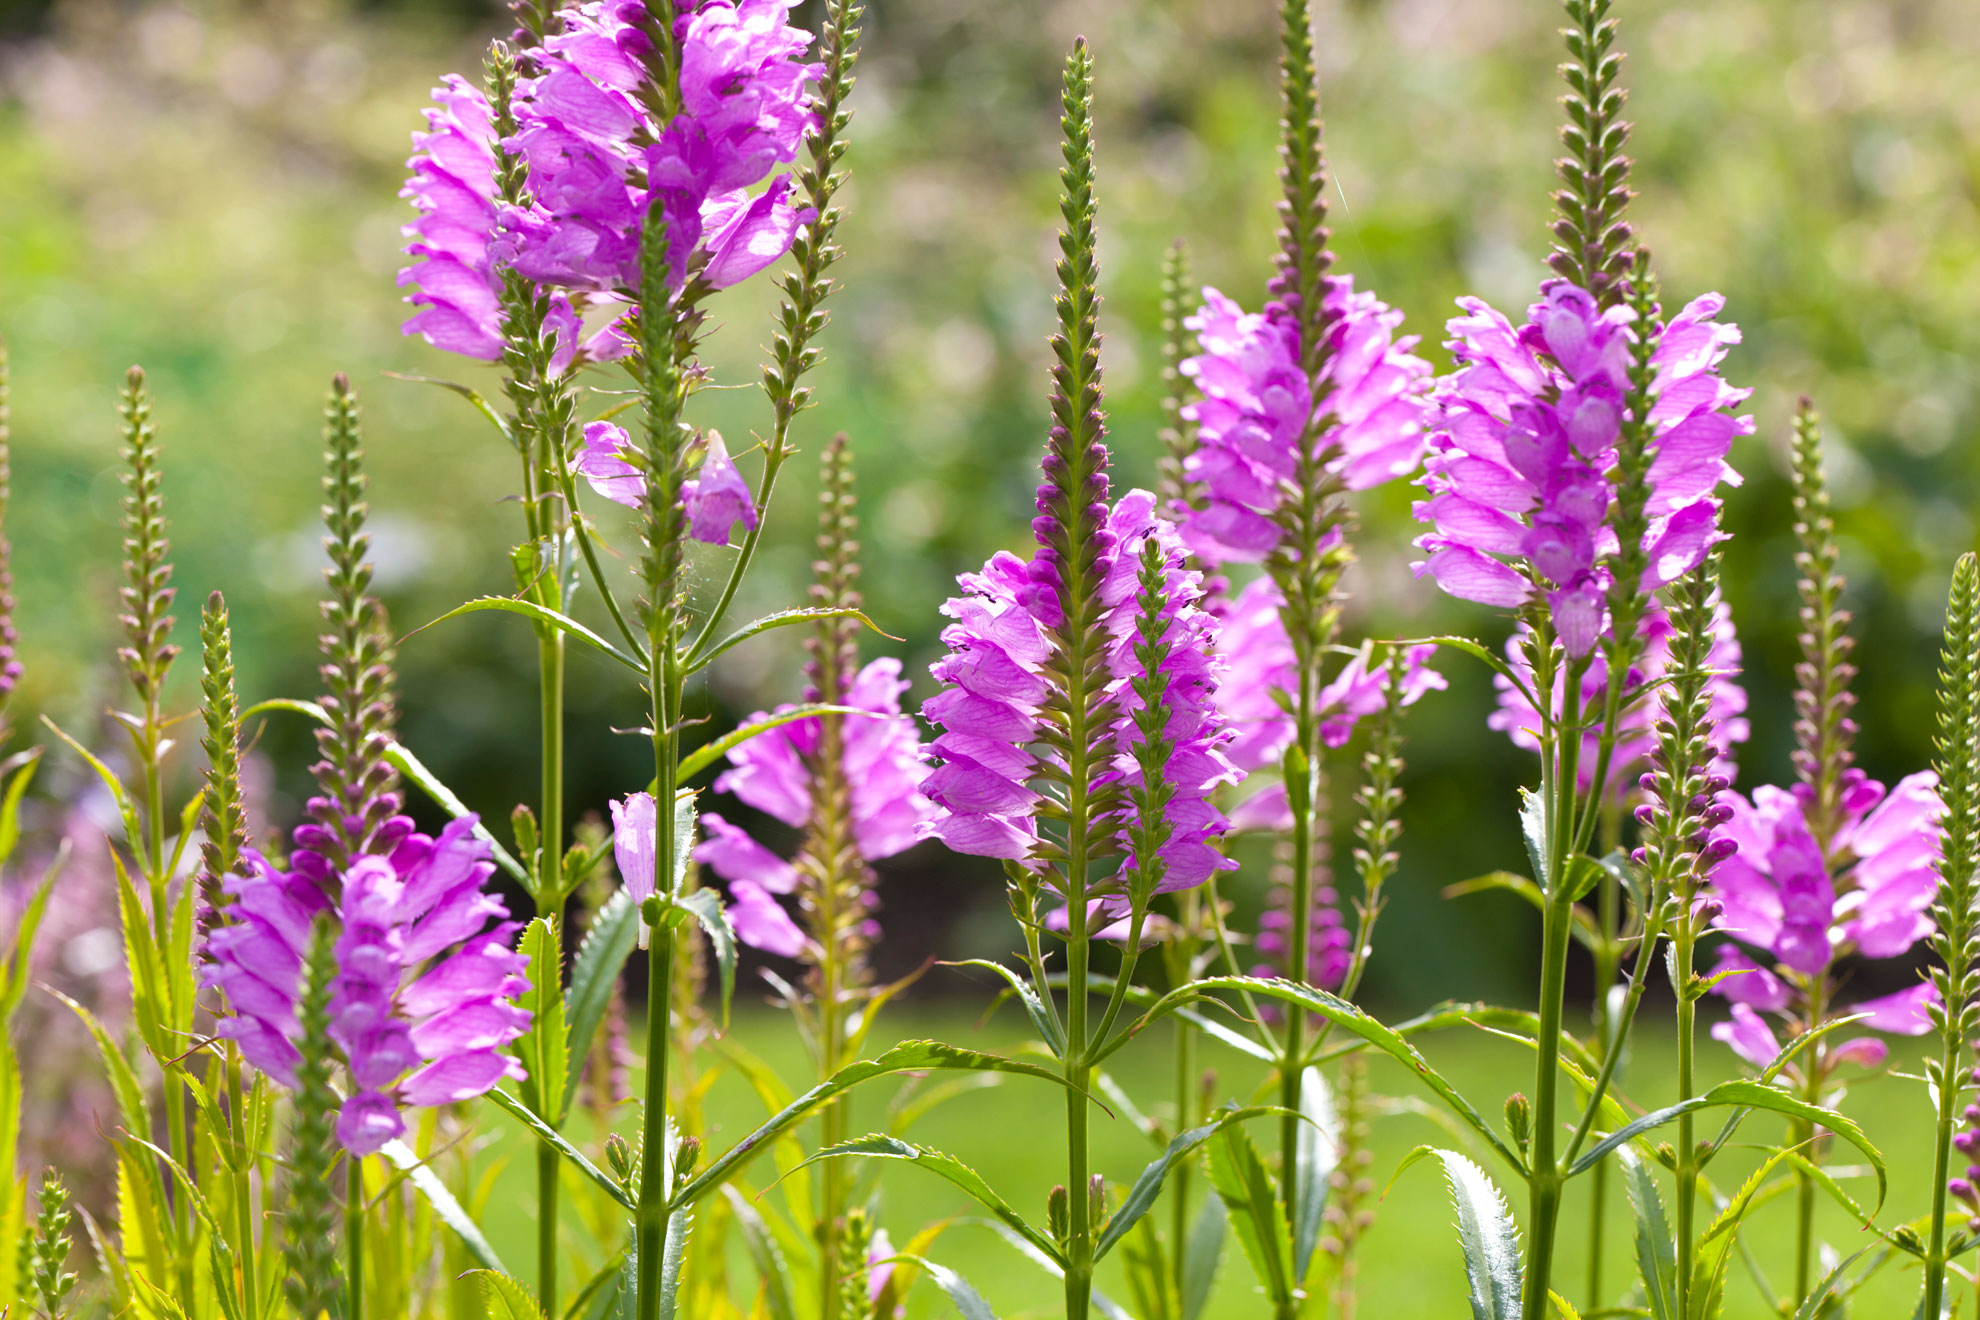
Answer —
1256 404
603 462
633 845
455 276
884 771
995 688
1636 740
422 1005
1527 432
717 497
597 160
1871 896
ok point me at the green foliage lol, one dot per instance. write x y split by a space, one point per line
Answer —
1486 1232
314 1285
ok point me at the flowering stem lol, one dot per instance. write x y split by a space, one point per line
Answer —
650 1219
1682 941
354 1237
1804 1133
1957 924
243 1187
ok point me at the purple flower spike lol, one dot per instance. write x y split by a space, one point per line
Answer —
453 188
884 770
1527 430
597 160
717 498
423 1002
1255 405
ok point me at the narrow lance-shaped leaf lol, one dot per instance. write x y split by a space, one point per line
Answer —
951 1170
1148 1187
1243 1184
1486 1232
594 974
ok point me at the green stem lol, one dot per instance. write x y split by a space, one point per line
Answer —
1298 771
1079 1247
1687 1144
239 1163
1811 1091
1185 1080
651 1218
833 1191
548 1162
354 1237
1935 1246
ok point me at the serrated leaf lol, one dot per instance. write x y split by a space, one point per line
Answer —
949 1169
708 753
505 1298
20 953
544 1047
549 1135
1242 1183
1347 1017
594 975
543 618
1318 1154
1533 830
124 1083
673 1250
908 1056
705 905
1811 1305
1485 1231
765 1255
16 773
968 1302
1147 1188
1203 1252
1034 1007
1656 1250
446 1208
781 619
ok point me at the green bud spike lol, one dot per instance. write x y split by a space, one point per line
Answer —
147 593
223 809
309 1220
1592 241
1178 438
1823 730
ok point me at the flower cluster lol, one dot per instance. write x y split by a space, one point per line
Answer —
415 1028
454 275
884 770
1257 404
1636 734
716 497
1519 462
1966 1188
598 158
996 682
1260 673
1870 895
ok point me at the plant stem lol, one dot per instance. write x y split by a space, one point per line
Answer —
1804 1211
1935 1246
1185 1064
833 1191
1079 1247
548 1162
243 1188
1292 1063
1682 941
353 1238
650 1219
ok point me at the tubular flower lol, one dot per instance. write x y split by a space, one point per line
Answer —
1966 1188
1527 434
1256 404
996 681
1872 895
884 771
415 1027
1259 673
716 497
455 276
597 159
1636 739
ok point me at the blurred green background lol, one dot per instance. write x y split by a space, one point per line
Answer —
209 188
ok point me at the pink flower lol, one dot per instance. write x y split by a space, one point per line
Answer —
602 462
718 498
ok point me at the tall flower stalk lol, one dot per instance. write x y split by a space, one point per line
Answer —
1956 936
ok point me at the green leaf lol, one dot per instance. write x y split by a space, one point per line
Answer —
1347 1017
1106 1306
445 1207
1533 829
1034 1007
1495 662
1656 1248
1811 1305
554 1138
1202 1253
132 831
505 1298
1706 1295
968 1302
708 753
673 1250
765 1255
951 1170
429 783
1751 1095
594 975
1486 1231
705 905
124 1083
17 772
908 1056
683 836
781 619
1318 1154
1148 1187
542 617
14 974
544 1048
600 1295
1241 1181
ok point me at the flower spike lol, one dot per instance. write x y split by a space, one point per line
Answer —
1823 729
223 811
1592 240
